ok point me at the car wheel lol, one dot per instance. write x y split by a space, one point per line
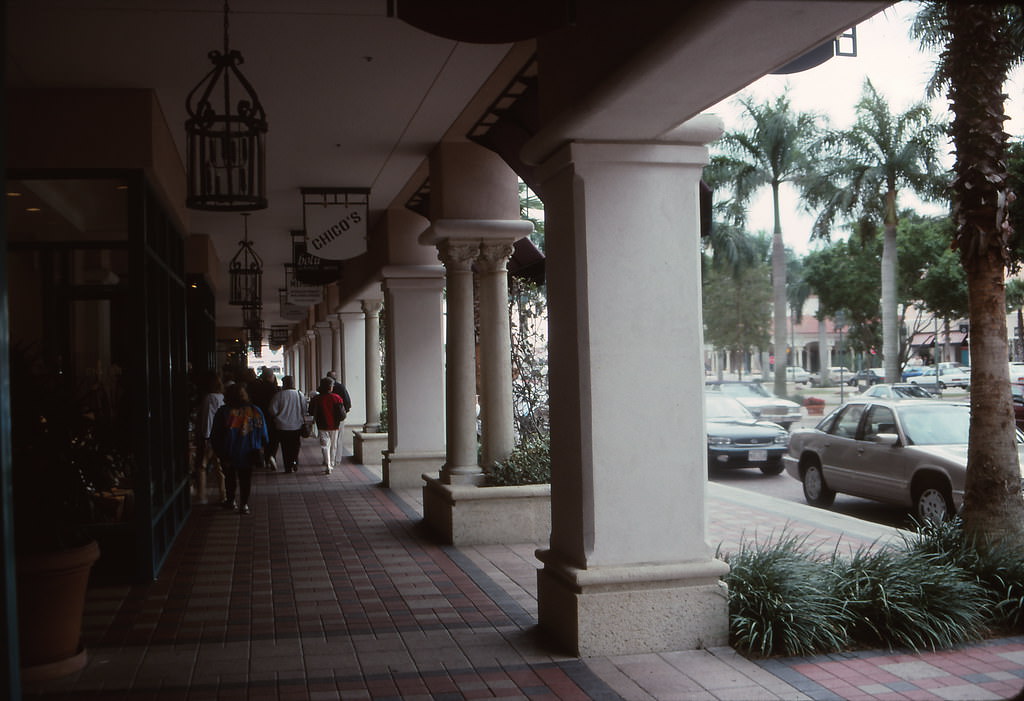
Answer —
773 468
933 502
941 385
816 492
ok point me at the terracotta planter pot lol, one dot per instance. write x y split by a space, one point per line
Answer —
51 602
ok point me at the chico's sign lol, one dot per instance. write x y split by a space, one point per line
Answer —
335 232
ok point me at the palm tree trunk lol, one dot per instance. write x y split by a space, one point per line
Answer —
890 322
993 506
779 290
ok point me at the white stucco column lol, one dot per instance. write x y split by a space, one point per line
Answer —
352 364
337 361
324 349
495 351
371 351
415 363
312 361
460 465
369 441
629 568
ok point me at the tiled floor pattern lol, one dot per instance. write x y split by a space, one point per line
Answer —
331 591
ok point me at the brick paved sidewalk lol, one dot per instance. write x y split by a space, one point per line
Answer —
331 590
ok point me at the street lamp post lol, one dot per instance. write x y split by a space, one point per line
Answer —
840 322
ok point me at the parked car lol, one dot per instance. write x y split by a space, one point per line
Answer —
834 373
798 375
737 439
952 377
910 454
866 376
898 390
759 401
1017 390
1016 372
911 371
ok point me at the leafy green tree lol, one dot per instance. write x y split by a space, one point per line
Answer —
881 155
845 276
772 150
737 308
980 44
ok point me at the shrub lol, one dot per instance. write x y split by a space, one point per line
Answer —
907 598
779 600
997 568
529 463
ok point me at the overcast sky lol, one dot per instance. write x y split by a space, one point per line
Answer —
899 71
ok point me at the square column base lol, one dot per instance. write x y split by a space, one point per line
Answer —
405 470
633 610
469 515
368 448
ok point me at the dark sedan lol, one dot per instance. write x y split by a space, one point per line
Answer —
866 376
737 439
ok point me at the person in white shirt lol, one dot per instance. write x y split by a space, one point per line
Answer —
209 403
288 409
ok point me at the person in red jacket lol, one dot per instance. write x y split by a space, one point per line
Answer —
328 410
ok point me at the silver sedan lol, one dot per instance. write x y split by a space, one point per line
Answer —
910 454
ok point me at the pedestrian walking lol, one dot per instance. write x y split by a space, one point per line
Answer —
211 399
339 389
328 410
238 436
288 409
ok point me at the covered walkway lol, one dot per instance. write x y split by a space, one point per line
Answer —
331 590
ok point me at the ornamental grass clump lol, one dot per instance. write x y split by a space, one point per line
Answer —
907 599
529 463
998 568
780 601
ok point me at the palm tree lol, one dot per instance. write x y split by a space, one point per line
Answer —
993 506
880 155
773 151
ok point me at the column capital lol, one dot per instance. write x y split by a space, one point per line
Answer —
457 256
494 256
372 307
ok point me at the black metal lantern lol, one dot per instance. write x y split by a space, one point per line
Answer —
251 314
279 334
246 273
226 130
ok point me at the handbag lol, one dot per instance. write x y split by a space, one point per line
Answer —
307 428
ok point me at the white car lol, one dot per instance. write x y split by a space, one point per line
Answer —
799 375
952 377
760 402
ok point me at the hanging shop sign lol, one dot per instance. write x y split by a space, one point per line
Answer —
310 269
289 311
335 221
299 293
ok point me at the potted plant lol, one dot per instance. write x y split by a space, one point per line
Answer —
815 406
64 454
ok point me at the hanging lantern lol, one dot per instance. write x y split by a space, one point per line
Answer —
246 273
279 334
251 314
226 133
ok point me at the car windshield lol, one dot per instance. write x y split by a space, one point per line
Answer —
744 389
910 392
936 424
719 408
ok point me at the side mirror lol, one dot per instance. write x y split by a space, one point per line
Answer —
889 439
